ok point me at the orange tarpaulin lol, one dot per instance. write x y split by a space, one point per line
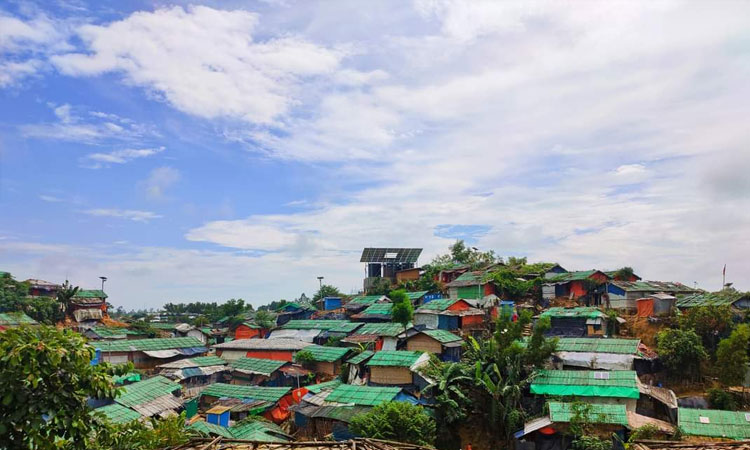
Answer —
645 307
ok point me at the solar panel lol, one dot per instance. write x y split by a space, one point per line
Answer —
390 255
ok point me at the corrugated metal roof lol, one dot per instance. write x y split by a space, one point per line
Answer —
270 394
259 431
198 361
317 388
146 391
362 395
209 429
605 414
257 365
587 383
416 295
466 279
115 333
722 298
578 275
378 309
394 358
90 293
343 326
652 286
117 413
440 304
714 423
365 355
340 413
368 299
327 354
595 345
147 344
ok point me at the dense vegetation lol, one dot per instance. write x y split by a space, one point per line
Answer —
396 421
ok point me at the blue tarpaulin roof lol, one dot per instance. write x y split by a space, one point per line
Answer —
190 351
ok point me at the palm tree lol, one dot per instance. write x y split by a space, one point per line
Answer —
446 388
65 296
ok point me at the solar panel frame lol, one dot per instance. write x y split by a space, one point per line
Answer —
378 255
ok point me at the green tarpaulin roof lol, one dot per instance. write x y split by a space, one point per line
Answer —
258 365
146 390
162 325
583 312
147 344
440 304
714 423
106 332
367 299
362 395
269 394
130 376
575 276
380 309
321 353
608 414
381 329
258 431
597 345
442 336
722 298
205 361
586 383
416 295
361 357
90 293
117 413
317 388
16 318
342 326
208 429
394 358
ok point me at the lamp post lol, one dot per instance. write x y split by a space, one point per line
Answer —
320 282
479 285
103 280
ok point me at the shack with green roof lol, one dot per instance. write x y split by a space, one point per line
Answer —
149 353
396 367
582 321
609 387
714 423
327 360
444 344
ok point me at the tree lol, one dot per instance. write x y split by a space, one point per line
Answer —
326 290
151 435
582 428
381 286
43 309
304 358
264 319
65 296
459 253
449 389
721 399
200 321
402 311
46 377
711 323
623 273
732 357
395 421
681 352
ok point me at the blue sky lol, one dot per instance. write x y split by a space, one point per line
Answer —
202 151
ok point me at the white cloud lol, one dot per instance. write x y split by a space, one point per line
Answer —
203 61
99 160
93 128
51 199
159 181
129 214
630 169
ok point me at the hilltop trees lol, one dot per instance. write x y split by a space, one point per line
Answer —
681 352
732 356
326 290
459 253
711 323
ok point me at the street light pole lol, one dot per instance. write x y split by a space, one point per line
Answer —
320 281
103 280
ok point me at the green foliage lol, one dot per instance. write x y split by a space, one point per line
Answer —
732 356
591 443
264 319
582 428
645 432
449 382
402 311
14 298
721 399
509 285
396 421
201 321
711 323
304 358
381 286
213 311
43 309
681 352
152 435
46 377
326 291
144 327
459 253
623 273
65 296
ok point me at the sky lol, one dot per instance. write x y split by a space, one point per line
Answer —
240 149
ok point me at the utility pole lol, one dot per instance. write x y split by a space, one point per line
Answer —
103 280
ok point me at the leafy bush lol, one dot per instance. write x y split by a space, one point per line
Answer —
156 434
721 399
731 356
304 357
396 421
645 432
681 352
403 311
711 323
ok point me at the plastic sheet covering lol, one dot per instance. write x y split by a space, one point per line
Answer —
162 353
190 351
87 314
597 361
645 307
231 355
158 405
300 335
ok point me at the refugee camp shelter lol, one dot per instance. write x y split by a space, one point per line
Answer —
377 312
443 343
624 294
325 328
273 402
260 372
149 353
327 360
15 319
358 304
112 333
358 372
292 311
576 285
596 353
258 432
576 322
379 336
194 373
278 349
714 423
551 432
449 314
348 394
737 300
470 285
395 367
612 387
157 396
117 413
248 330
89 305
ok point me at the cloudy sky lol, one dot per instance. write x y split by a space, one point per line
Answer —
241 149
